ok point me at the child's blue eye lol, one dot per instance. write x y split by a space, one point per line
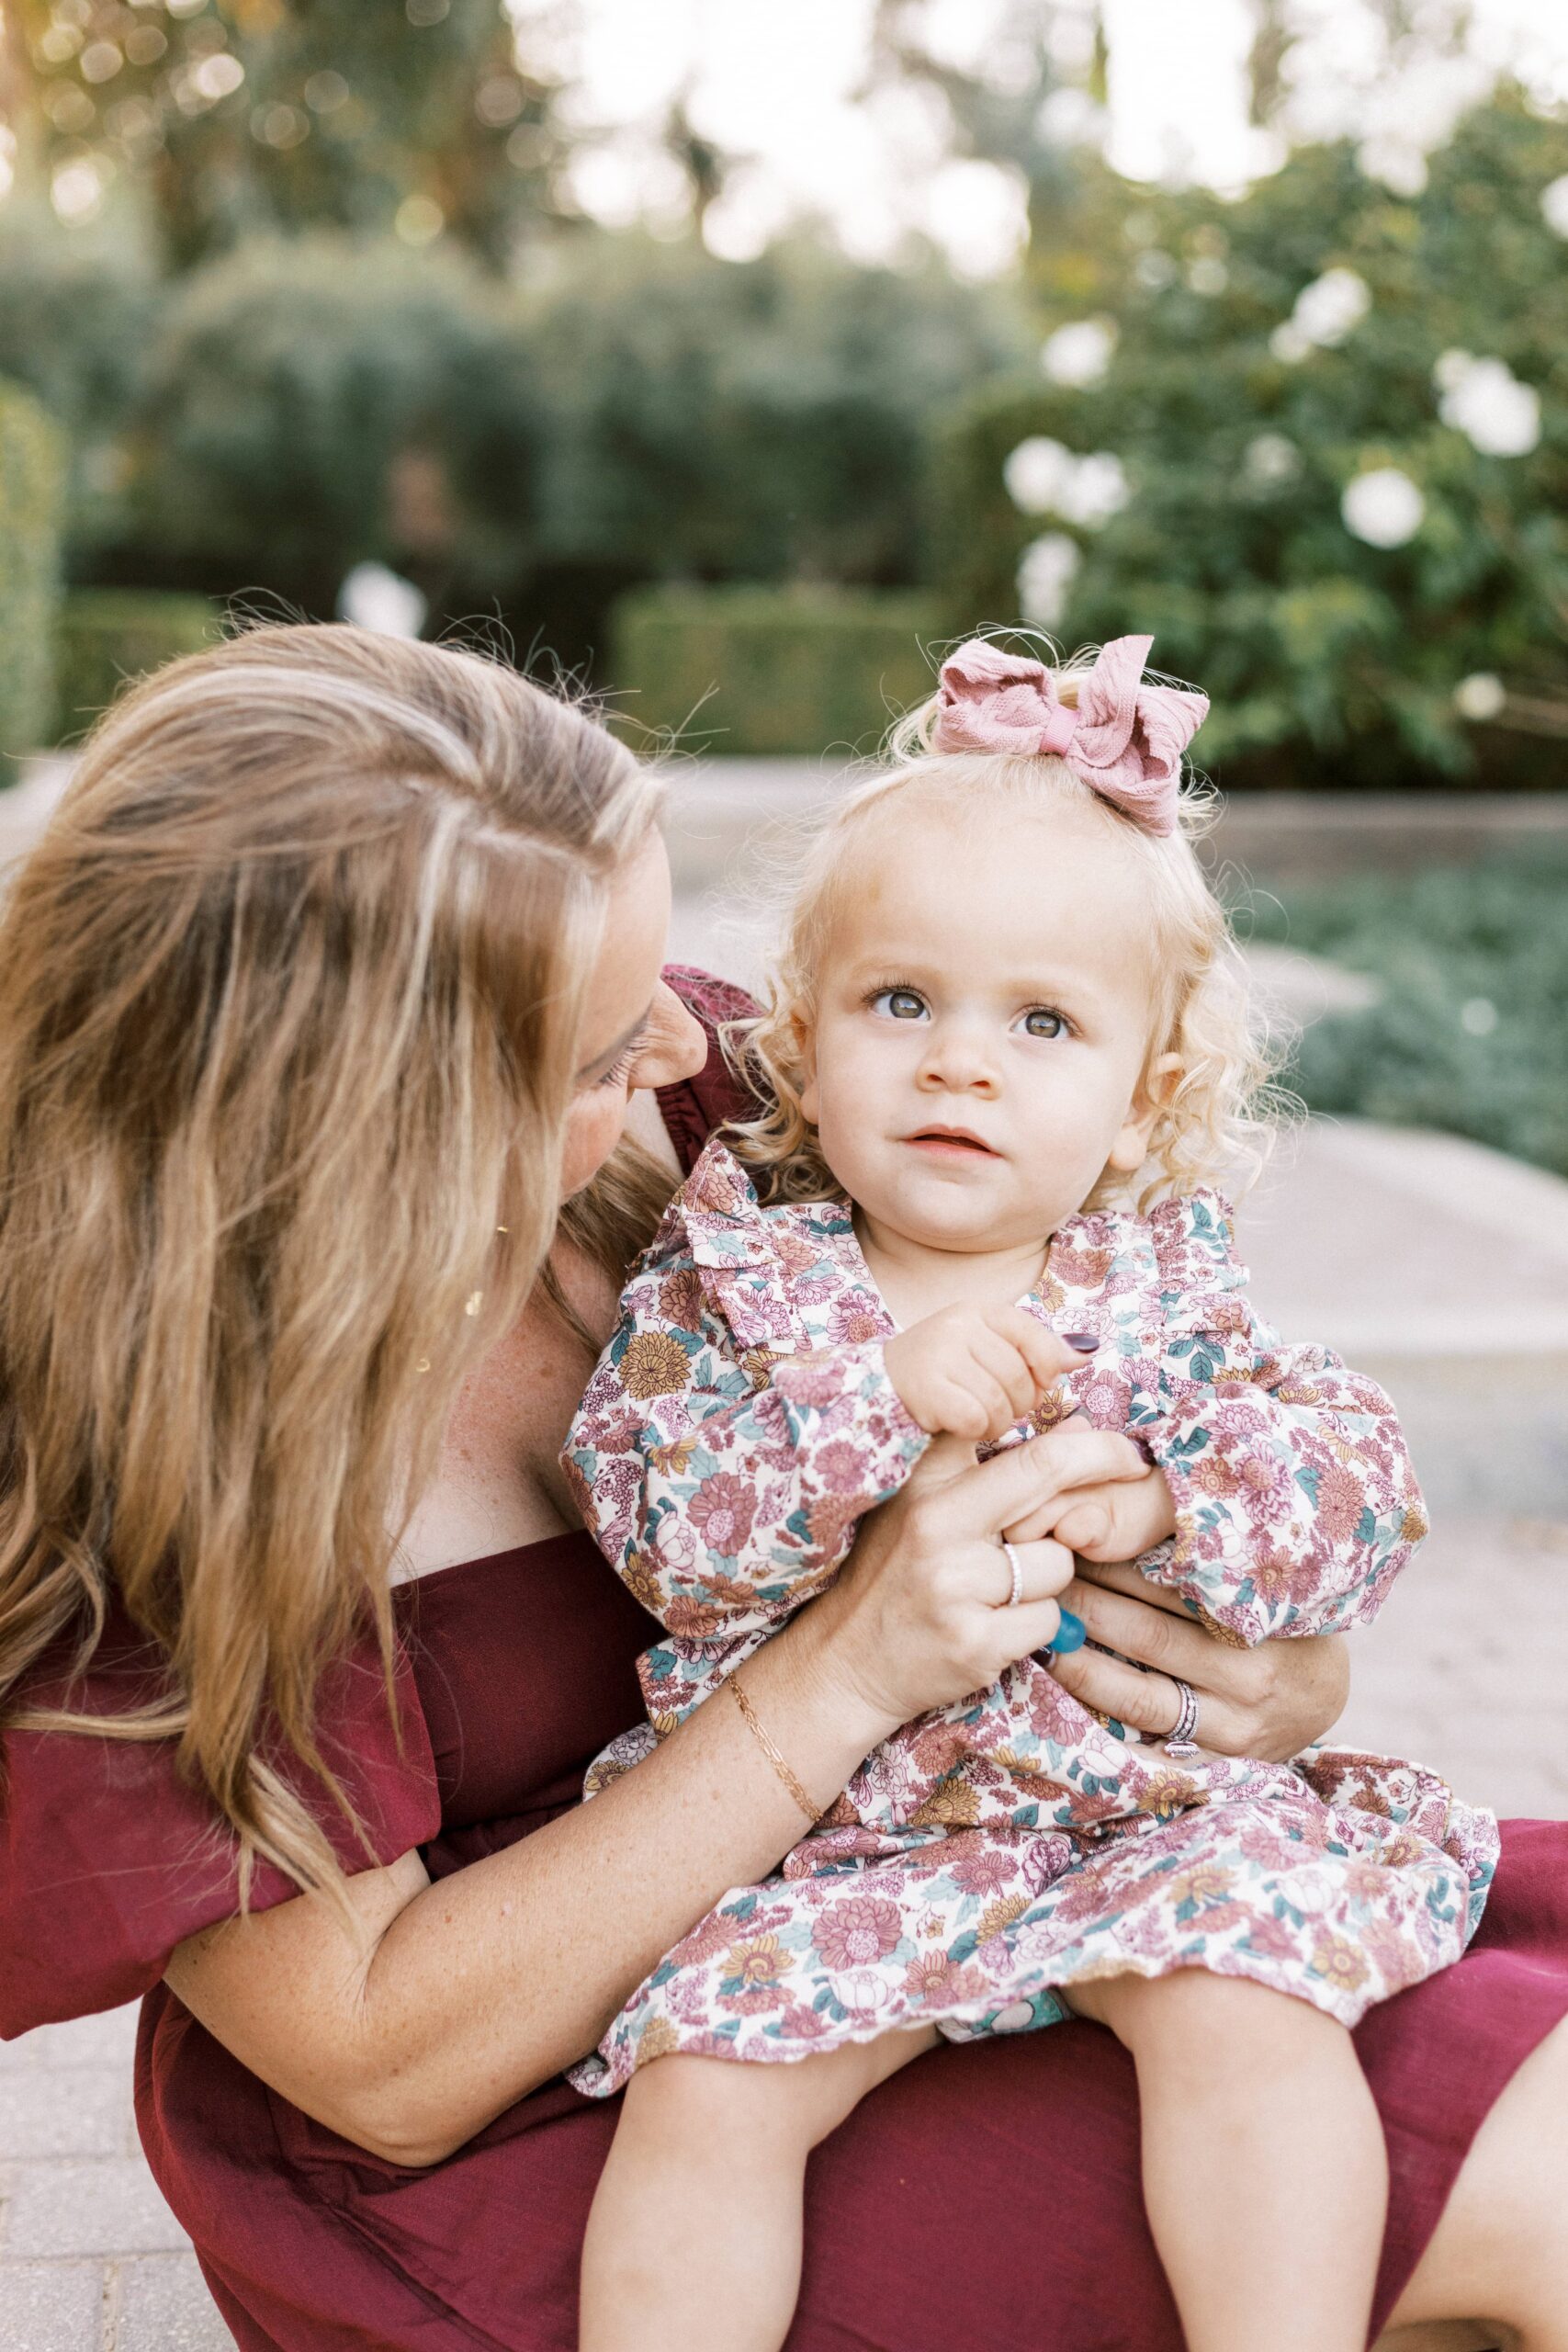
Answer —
1040 1022
899 1004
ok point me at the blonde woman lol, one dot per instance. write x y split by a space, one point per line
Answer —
331 981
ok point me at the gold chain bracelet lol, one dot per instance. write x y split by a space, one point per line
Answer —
755 1725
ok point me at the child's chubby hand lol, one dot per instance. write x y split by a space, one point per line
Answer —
1099 1518
972 1372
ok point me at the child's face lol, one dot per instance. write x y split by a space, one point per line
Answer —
997 981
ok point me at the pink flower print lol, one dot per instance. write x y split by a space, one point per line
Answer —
1237 1419
681 1298
828 1518
848 1934
721 1510
813 1290
797 1251
1395 1958
1266 1483
805 1382
1341 1498
839 1466
1272 1939
797 2023
855 1321
982 1868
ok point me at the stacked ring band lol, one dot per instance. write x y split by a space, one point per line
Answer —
1179 1741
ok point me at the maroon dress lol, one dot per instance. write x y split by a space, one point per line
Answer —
516 1670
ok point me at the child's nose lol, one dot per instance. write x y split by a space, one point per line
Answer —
958 1059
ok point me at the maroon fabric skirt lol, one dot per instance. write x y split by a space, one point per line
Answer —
986 2199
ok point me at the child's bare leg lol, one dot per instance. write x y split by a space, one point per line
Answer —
1265 2172
712 2152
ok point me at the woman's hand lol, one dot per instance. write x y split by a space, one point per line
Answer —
1271 1701
918 1617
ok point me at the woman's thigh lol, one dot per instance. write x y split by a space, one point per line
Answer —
1500 2250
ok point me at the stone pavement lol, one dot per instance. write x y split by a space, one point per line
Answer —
1441 1267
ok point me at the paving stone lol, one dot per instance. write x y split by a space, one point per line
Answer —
79 2111
72 2206
164 2306
107 2039
51 2306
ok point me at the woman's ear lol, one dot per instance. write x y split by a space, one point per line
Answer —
1157 1086
804 1036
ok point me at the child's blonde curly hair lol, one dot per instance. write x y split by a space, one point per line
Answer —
1218 1123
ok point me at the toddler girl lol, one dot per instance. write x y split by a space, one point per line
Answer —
1007 1046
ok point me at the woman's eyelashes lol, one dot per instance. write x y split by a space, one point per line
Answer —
625 1061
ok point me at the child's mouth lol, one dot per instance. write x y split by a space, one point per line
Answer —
953 1139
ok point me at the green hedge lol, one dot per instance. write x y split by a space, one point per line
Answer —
32 476
764 671
108 636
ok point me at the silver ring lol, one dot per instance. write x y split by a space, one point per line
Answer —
1016 1567
1179 1741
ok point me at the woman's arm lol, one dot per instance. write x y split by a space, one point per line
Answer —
464 1995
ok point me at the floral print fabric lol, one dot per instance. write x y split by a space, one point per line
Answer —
739 1426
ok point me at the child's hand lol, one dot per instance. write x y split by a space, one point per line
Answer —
975 1372
1109 1519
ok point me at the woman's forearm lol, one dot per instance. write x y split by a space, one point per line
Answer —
472 1990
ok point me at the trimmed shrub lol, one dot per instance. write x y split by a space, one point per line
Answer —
108 636
32 477
1470 1030
797 670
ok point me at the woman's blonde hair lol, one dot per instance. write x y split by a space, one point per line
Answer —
290 994
1218 1121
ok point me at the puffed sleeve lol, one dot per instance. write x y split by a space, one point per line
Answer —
695 1106
108 1859
1296 1502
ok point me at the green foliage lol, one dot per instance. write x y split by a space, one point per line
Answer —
31 473
1328 659
1471 1028
771 670
106 636
311 404
245 116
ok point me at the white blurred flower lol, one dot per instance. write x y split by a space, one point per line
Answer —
1044 477
1334 304
1271 457
375 598
1099 489
1289 344
1485 400
1383 507
1478 1017
1554 205
418 220
1208 275
1480 696
1037 474
1046 570
76 191
1399 164
1078 355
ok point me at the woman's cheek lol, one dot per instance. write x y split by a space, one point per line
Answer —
594 1127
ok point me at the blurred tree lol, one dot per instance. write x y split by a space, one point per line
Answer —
1328 429
241 115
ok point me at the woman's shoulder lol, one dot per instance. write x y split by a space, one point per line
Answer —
111 1857
695 1106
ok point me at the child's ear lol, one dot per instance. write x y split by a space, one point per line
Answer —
1156 1088
805 1046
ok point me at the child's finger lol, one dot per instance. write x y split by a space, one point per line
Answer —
1010 1368
1047 1356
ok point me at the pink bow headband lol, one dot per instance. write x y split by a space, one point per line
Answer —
1125 739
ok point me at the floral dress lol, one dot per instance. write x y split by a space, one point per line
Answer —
1000 1849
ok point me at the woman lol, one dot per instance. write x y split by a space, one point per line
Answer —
333 978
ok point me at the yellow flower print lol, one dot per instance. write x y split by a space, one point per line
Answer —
1336 1959
762 1961
654 1364
953 1804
